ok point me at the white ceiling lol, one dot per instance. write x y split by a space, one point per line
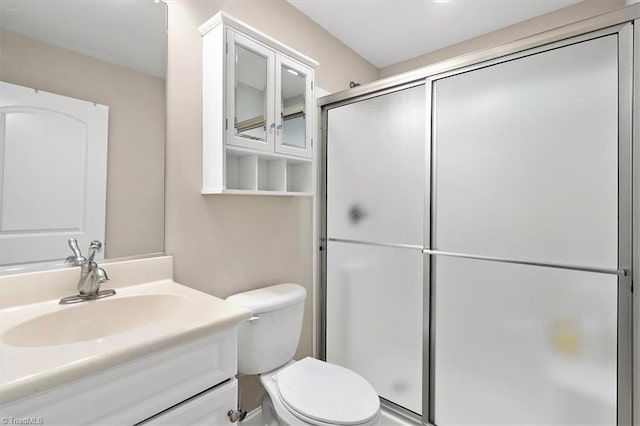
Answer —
385 32
131 33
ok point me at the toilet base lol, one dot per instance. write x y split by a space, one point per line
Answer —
269 415
274 410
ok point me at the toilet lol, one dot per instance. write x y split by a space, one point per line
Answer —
305 392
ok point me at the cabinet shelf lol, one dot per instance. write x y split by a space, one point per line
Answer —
239 151
256 173
267 193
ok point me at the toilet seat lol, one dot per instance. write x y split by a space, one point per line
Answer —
326 394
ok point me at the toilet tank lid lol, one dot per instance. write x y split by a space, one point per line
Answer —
270 298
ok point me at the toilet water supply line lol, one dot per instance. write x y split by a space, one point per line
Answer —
238 415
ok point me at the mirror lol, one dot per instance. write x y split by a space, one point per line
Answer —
293 103
250 94
108 57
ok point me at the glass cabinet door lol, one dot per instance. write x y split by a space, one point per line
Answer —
250 117
293 106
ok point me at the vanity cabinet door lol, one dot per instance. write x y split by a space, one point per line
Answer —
250 91
208 408
293 107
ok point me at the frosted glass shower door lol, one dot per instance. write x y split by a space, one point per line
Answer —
526 169
522 345
374 317
375 169
375 197
526 157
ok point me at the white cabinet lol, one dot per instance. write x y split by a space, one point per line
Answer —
147 388
258 112
209 408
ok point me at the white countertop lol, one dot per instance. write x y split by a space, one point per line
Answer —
27 370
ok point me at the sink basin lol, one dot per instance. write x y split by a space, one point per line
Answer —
45 345
94 320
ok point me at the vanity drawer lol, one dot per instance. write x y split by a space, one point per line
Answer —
208 408
139 389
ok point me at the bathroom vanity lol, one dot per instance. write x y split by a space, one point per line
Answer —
155 353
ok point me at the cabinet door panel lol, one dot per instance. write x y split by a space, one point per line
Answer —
250 93
208 408
293 108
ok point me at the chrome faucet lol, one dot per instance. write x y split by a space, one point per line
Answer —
91 276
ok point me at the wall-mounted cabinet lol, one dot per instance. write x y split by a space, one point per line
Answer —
258 112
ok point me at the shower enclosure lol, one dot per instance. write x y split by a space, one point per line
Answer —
477 236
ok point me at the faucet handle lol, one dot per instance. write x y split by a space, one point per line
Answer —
94 248
73 244
77 257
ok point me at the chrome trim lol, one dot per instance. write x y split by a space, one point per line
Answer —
604 20
322 200
609 271
428 291
635 251
406 415
609 31
77 298
371 243
374 94
625 196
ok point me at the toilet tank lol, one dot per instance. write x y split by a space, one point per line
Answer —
270 338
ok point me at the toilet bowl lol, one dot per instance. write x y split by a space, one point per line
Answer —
313 392
305 392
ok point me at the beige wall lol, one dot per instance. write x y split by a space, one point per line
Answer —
225 244
135 170
583 10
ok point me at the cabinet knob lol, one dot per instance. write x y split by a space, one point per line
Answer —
273 126
279 127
